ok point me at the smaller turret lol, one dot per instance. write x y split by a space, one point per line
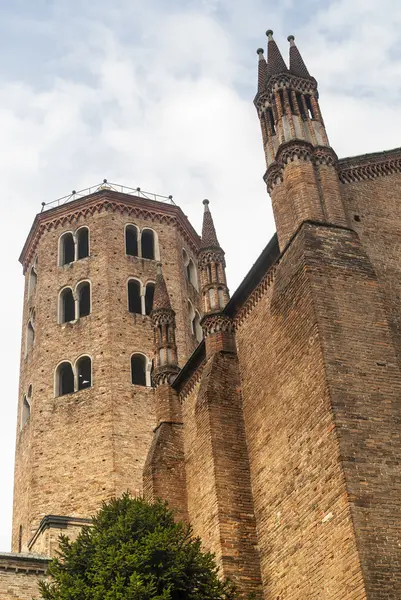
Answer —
217 327
212 267
165 347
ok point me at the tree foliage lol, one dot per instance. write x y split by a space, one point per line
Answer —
134 551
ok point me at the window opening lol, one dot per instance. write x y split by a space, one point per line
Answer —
67 249
131 240
67 306
84 373
309 107
196 327
149 294
84 299
64 379
30 336
138 369
281 96
148 244
83 242
271 119
134 296
301 105
33 278
290 99
26 412
209 273
221 297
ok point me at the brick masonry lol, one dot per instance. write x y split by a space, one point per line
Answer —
284 452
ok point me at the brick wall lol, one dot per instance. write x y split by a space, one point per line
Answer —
306 538
81 448
19 575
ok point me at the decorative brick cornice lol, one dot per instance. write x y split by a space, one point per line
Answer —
369 166
209 255
297 150
213 323
30 564
57 522
192 382
164 375
255 297
282 80
162 316
111 201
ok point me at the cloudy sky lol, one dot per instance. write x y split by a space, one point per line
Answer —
159 95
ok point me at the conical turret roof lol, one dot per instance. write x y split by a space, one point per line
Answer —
209 237
275 61
161 299
297 65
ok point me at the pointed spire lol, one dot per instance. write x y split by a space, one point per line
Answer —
161 299
209 237
297 65
263 72
275 61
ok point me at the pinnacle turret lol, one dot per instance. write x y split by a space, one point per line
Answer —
275 61
209 237
161 298
297 65
263 71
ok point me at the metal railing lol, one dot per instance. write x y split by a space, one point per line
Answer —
106 185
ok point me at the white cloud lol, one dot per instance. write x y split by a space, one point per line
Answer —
160 95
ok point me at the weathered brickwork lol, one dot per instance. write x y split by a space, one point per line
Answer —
278 436
306 539
81 448
19 576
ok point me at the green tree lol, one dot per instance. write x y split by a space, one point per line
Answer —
134 551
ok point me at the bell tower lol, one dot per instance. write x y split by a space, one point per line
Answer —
87 401
301 174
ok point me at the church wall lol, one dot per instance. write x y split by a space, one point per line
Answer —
19 576
306 539
374 208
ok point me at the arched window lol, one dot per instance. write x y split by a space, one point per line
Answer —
66 306
84 372
134 296
66 249
148 244
212 298
64 379
191 274
196 327
149 293
131 240
222 301
139 369
82 240
32 282
84 299
30 336
26 410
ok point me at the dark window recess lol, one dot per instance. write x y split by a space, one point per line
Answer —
134 297
83 242
84 371
138 369
301 106
271 120
150 291
290 99
281 96
65 379
209 273
148 244
68 249
67 306
131 241
84 299
309 107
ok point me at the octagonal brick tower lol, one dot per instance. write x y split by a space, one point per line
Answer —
85 413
